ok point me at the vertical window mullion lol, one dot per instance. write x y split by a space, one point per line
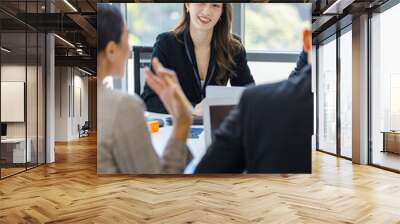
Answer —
0 88
338 91
317 97
26 86
37 89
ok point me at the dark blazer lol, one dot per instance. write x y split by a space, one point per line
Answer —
268 132
301 62
173 53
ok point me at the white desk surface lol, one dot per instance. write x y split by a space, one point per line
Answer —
20 153
160 138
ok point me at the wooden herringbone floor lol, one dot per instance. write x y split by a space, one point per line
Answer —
69 191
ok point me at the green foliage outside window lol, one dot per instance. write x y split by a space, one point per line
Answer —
273 26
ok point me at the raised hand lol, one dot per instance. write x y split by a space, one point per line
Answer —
166 86
307 43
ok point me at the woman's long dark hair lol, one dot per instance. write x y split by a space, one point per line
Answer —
227 47
110 25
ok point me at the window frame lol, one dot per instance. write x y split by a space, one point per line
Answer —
333 33
379 10
337 28
28 29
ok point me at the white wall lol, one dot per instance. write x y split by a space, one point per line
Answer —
79 117
70 83
16 73
62 81
33 126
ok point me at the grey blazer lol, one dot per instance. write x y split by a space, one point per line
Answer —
123 140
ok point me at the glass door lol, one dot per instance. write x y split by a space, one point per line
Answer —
346 93
385 89
327 96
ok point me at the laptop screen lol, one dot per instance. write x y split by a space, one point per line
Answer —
217 115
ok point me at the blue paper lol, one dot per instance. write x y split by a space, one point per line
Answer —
195 132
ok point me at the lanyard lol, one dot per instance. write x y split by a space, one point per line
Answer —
186 41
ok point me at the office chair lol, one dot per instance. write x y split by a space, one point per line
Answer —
84 130
141 58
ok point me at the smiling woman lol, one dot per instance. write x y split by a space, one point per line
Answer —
204 16
202 51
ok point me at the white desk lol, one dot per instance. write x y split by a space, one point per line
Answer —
160 138
19 155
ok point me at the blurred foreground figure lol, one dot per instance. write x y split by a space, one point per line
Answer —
270 130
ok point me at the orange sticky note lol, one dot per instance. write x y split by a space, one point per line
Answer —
154 126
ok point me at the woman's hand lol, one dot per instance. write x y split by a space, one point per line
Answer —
198 109
166 86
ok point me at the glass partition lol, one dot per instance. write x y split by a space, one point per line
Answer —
41 107
346 94
22 77
14 153
31 100
385 89
327 96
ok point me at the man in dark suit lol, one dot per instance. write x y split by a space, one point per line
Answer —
269 131
301 62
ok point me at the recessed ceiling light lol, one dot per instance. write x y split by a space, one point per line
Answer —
5 50
337 7
70 5
64 40
86 72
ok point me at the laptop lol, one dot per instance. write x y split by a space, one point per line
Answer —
219 102
224 91
215 112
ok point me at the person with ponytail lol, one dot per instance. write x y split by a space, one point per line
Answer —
123 144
